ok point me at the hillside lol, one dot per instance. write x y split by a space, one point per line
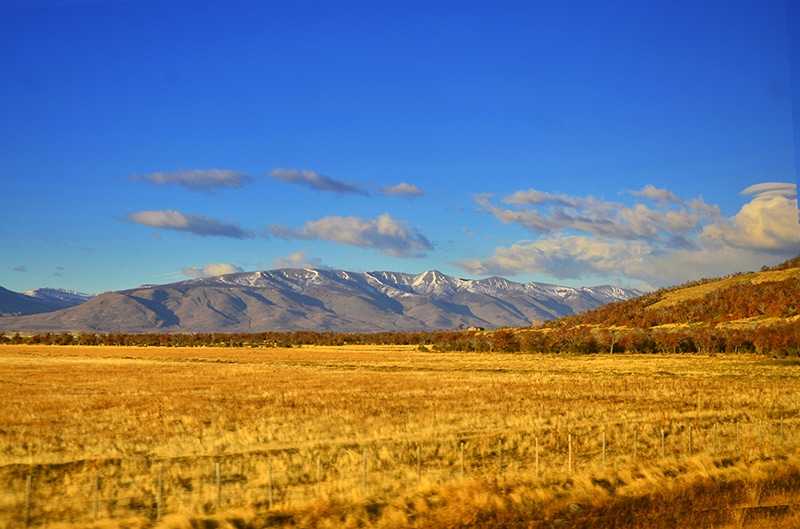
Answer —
754 298
756 312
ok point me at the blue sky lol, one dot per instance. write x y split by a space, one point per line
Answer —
641 144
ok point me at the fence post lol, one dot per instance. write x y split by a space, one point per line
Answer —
604 448
738 438
635 435
219 485
462 459
419 466
569 460
364 476
663 451
500 456
536 440
270 483
159 492
715 440
319 476
96 493
690 440
28 484
760 433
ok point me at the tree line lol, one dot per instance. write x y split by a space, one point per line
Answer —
779 339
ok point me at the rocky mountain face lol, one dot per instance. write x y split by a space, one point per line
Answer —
321 300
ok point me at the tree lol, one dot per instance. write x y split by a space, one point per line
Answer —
506 340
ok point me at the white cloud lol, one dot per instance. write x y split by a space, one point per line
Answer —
383 234
210 270
560 257
767 223
663 244
651 191
772 189
533 196
187 222
668 221
298 260
316 181
198 180
403 189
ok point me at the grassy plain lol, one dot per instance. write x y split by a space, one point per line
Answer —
373 437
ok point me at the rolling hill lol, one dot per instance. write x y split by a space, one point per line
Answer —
757 298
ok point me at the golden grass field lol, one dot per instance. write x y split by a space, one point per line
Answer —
373 436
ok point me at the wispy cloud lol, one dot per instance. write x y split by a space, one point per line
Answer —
198 180
210 270
532 197
187 222
316 181
662 243
402 189
20 268
667 221
384 234
652 192
769 190
298 260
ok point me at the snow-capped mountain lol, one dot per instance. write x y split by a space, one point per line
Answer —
39 301
323 300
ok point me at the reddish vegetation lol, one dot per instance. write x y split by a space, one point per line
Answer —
777 299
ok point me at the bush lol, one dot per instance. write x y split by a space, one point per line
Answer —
506 340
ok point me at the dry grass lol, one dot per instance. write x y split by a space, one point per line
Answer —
73 415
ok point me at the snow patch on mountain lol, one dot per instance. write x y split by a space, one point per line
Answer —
397 284
59 294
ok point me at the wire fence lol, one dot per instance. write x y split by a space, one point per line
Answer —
90 490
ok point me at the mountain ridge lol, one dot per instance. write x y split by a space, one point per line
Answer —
321 300
38 301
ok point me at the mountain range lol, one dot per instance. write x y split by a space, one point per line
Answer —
304 299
